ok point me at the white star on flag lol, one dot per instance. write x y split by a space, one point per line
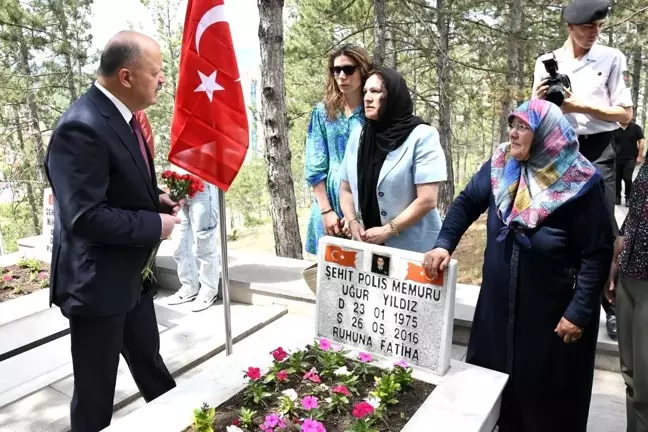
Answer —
341 256
209 84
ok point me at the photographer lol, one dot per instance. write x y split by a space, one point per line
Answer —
599 98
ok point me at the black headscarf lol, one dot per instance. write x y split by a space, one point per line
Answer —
379 138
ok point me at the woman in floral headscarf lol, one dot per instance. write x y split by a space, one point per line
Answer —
549 248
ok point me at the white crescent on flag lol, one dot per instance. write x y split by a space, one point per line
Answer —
212 16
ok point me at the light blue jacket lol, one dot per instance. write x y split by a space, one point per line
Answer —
420 159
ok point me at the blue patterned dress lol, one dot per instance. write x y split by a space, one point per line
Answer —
325 146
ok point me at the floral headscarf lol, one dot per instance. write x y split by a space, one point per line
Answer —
527 192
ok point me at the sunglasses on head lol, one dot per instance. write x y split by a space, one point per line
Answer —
348 70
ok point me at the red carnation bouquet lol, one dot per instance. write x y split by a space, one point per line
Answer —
181 186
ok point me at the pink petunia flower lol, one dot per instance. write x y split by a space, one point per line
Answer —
253 373
312 426
341 390
282 375
402 363
365 357
279 354
362 410
309 403
313 376
324 344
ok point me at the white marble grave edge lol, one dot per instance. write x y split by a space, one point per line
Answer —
450 280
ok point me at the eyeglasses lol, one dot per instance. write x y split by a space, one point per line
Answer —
347 69
519 127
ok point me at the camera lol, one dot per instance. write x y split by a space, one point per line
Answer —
557 82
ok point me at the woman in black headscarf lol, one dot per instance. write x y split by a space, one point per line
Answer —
391 170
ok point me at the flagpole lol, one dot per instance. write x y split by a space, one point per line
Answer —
225 272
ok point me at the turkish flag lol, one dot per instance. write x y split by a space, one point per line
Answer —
337 255
209 135
418 274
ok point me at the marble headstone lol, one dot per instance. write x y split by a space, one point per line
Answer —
380 300
48 218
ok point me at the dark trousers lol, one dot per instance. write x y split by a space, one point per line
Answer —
96 345
624 171
632 304
599 150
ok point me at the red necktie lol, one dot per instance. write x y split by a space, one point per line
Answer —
137 130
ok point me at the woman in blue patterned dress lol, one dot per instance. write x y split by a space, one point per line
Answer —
331 123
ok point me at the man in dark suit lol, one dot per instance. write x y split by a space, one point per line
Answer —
109 215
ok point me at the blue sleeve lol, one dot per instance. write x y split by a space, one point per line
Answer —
351 146
429 160
466 208
316 163
594 240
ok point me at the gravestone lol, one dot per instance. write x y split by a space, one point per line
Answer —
48 218
380 300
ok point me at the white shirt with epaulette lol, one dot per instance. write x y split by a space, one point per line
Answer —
599 78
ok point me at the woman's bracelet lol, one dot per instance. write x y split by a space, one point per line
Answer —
353 220
327 211
393 228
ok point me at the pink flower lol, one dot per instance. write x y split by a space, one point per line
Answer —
282 375
7 278
279 354
365 357
272 421
43 275
362 410
309 403
312 375
324 344
312 426
402 363
236 422
341 390
337 348
253 373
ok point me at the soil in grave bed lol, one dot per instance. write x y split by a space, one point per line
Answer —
394 418
24 277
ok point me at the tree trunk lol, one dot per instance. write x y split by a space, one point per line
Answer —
34 124
644 104
379 32
447 188
283 207
515 71
33 206
636 78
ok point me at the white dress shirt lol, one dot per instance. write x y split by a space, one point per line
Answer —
123 109
598 79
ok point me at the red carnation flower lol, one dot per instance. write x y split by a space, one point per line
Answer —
253 373
362 410
279 354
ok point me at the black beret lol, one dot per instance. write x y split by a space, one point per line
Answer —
586 11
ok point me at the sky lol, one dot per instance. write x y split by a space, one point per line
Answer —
111 16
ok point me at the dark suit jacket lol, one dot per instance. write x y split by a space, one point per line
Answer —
106 207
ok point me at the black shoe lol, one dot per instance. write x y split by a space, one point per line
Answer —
611 326
618 201
154 292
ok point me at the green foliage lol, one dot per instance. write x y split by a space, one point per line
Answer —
246 416
204 419
387 388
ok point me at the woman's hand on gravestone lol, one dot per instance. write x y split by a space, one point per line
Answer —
344 226
435 261
357 230
331 223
